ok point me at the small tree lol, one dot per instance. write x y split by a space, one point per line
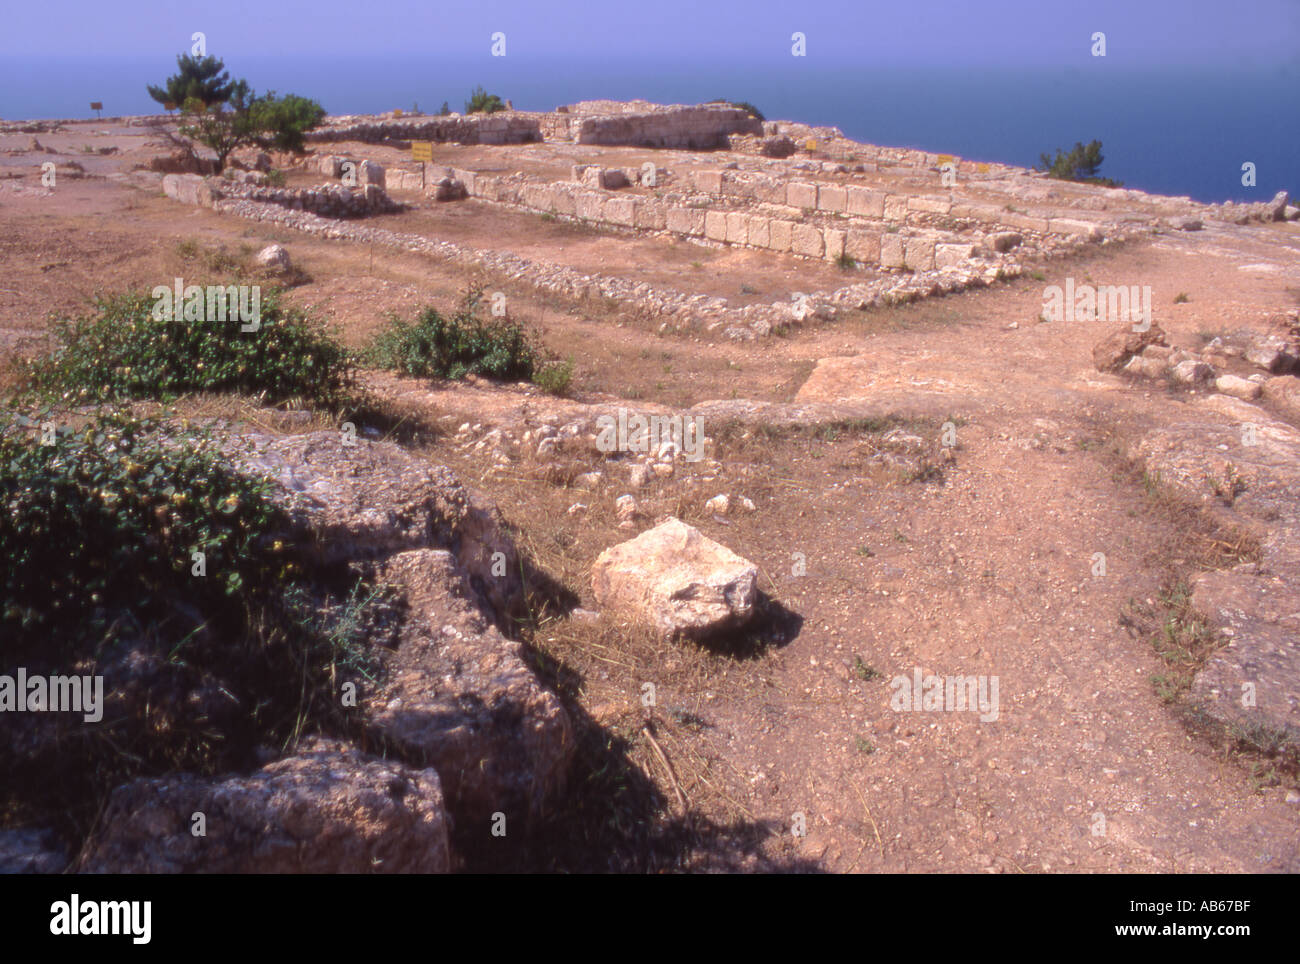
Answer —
445 110
481 102
221 127
198 78
1082 163
280 123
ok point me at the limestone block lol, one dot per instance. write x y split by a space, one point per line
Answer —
952 255
865 203
715 225
781 235
563 199
760 233
918 253
650 214
1023 221
686 221
737 227
589 205
929 205
808 240
801 195
538 197
895 207
862 246
834 244
620 210
891 251
832 197
466 178
1071 226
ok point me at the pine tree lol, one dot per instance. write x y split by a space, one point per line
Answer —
199 78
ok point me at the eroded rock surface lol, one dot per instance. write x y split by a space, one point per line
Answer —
677 580
326 809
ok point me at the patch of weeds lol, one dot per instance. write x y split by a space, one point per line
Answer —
1037 276
438 346
864 746
1181 298
1178 634
864 671
866 551
555 378
847 262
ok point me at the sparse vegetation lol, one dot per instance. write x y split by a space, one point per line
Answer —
743 105
100 529
453 346
1080 163
481 102
124 350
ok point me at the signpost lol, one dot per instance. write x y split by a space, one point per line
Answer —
97 106
422 151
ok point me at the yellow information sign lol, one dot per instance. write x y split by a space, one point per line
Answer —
422 150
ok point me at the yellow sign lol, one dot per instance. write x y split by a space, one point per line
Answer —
397 112
422 150
982 168
945 158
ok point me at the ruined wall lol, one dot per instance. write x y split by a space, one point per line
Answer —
514 127
705 127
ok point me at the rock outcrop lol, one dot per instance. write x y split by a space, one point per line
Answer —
325 809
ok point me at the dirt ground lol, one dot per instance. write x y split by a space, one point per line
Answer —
981 565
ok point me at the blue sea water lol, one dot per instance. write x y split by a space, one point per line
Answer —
1175 130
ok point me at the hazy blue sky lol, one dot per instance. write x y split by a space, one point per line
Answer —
954 32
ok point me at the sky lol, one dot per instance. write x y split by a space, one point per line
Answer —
1238 33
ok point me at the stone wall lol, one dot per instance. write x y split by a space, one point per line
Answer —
702 127
503 127
327 200
865 242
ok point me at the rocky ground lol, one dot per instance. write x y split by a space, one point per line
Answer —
891 490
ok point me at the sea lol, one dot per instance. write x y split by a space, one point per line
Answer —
1178 130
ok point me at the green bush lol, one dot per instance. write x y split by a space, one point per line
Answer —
99 527
122 351
481 102
97 531
437 346
743 105
555 377
1080 163
281 122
